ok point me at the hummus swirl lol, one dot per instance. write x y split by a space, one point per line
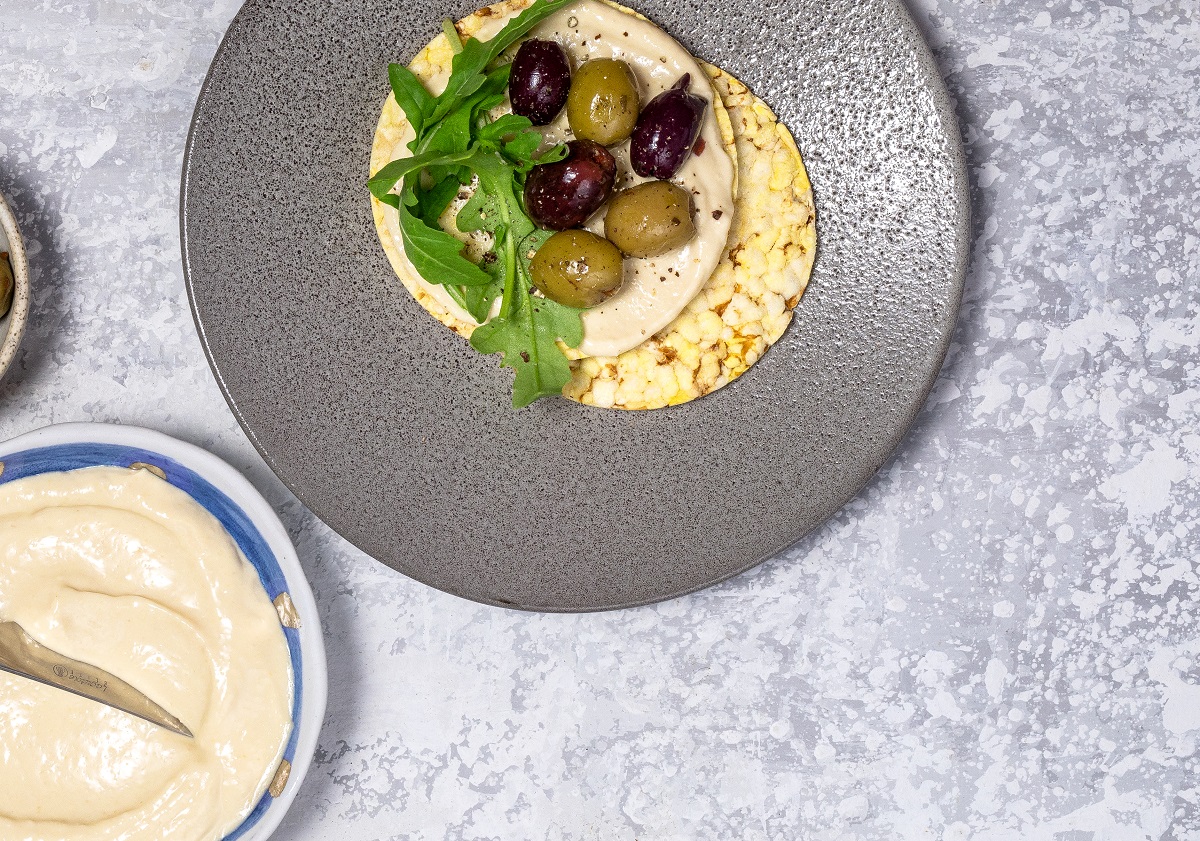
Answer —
119 569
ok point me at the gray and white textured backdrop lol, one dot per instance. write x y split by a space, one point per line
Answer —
997 640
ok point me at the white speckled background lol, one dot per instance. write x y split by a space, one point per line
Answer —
997 640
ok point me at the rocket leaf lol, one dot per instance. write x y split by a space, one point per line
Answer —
456 142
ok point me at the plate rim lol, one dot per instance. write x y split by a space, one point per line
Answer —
945 109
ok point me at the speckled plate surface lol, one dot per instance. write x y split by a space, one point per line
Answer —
398 435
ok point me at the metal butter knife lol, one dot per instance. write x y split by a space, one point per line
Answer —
22 655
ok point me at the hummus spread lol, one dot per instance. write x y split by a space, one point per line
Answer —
656 289
119 569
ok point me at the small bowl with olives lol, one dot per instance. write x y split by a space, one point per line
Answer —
14 286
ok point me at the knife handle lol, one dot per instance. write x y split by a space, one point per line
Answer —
22 655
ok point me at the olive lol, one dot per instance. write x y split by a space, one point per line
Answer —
666 131
6 284
540 80
650 219
564 194
577 268
603 102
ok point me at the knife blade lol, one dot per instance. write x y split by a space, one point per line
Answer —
21 654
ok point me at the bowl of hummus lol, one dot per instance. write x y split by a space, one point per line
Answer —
157 562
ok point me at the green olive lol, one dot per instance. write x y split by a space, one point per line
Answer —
6 284
603 101
577 268
650 219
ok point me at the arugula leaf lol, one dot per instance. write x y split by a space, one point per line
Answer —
456 141
410 95
454 132
528 339
452 36
527 328
520 150
383 181
468 66
531 245
513 135
553 155
432 202
497 80
437 255
498 179
504 126
479 213
478 300
451 133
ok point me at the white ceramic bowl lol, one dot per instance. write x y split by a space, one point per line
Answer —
253 525
12 326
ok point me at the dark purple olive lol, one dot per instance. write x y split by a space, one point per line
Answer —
666 131
564 194
540 81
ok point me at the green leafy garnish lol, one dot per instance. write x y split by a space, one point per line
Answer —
467 68
411 95
527 337
437 252
452 36
457 143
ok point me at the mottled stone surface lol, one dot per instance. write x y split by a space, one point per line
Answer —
997 640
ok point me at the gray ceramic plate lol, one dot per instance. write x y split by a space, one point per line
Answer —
402 439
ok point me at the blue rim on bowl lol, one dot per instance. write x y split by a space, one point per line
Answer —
241 527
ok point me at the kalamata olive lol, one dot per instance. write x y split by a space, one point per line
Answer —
666 131
577 268
6 284
603 102
650 219
564 194
540 81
